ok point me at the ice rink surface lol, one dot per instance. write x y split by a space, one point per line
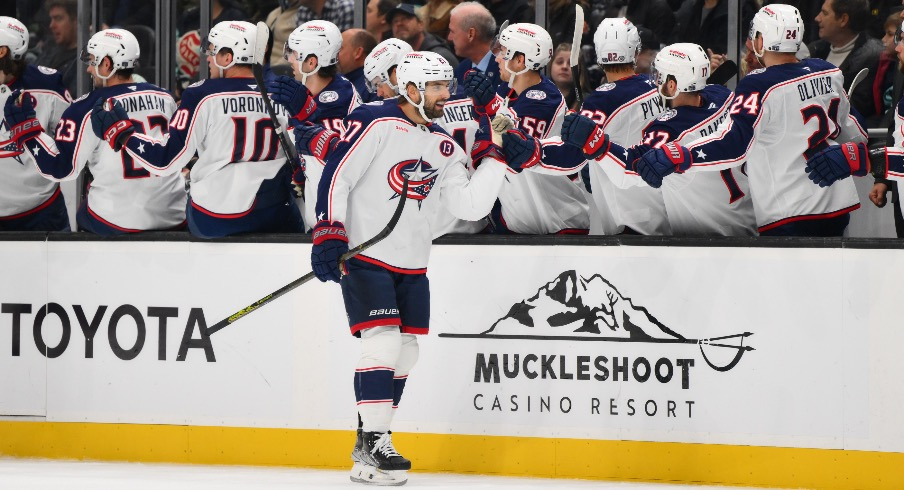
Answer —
31 474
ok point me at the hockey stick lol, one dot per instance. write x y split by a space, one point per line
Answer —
576 53
725 72
857 79
260 48
310 275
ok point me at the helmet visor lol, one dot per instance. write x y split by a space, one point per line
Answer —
438 87
87 58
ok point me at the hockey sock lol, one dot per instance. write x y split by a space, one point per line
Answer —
380 348
407 358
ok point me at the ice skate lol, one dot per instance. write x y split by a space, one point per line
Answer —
379 464
357 455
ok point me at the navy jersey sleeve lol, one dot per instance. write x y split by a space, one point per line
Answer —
345 165
62 157
178 146
729 145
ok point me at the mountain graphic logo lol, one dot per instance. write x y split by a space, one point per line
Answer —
574 308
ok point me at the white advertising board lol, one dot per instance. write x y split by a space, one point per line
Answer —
747 346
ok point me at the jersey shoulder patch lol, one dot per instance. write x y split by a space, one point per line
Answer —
46 70
197 84
605 87
535 94
328 96
669 114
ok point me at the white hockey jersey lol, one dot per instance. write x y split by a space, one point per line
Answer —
624 108
702 203
544 199
459 123
123 195
22 189
779 116
225 121
364 175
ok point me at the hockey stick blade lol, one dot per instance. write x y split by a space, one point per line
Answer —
725 72
862 74
396 215
260 48
576 53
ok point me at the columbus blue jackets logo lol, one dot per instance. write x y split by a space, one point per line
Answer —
535 94
329 96
421 179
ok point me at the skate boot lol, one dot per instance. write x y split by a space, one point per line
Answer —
357 453
380 463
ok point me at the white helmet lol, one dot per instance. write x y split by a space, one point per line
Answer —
419 68
119 45
616 41
239 36
14 35
320 38
781 26
385 55
531 40
687 63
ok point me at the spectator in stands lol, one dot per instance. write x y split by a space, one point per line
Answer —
513 11
649 47
436 16
705 22
62 53
356 45
220 10
375 18
282 21
409 27
339 12
883 85
559 70
843 42
652 14
471 32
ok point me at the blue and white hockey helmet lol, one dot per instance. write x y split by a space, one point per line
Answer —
120 45
686 63
380 61
781 26
616 41
317 37
13 35
239 36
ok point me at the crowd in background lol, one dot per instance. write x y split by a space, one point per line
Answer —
852 34
862 40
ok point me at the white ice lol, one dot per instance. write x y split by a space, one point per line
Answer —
35 474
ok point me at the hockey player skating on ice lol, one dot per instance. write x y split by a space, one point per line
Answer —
28 202
241 181
544 199
317 95
701 203
780 116
123 197
386 292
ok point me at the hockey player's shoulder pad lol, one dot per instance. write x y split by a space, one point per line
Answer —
715 94
43 78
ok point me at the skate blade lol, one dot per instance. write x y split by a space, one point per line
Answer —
369 475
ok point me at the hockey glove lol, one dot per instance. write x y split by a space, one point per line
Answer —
480 89
330 243
835 163
657 163
484 146
294 96
112 125
298 180
315 140
521 150
582 132
20 116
